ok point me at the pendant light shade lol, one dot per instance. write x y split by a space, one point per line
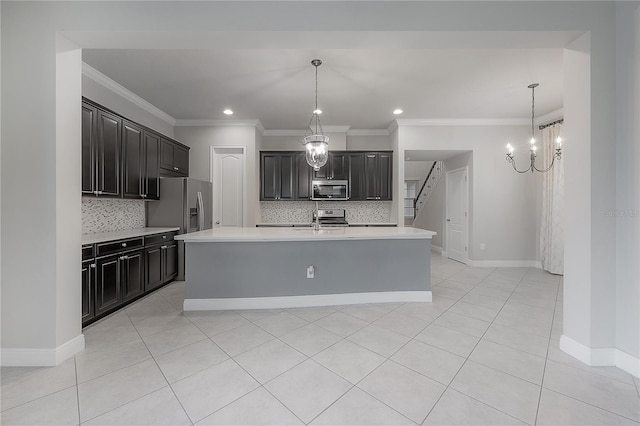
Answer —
315 142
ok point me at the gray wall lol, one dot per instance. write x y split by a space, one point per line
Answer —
627 213
202 138
502 210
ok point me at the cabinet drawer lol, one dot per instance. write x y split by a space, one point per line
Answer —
118 246
88 251
158 238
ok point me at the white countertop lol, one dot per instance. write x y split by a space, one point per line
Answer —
300 224
233 234
127 233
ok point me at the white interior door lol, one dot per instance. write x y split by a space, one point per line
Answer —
456 218
227 171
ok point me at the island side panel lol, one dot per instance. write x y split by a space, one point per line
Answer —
278 268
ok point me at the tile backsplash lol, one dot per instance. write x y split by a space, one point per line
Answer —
104 215
300 211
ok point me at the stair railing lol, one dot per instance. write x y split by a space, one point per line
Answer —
437 168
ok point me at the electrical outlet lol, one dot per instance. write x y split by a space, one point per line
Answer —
482 246
311 271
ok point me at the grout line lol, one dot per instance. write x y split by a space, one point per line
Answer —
476 345
75 366
546 358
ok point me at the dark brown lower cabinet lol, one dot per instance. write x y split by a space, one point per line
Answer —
132 265
107 294
161 264
88 281
124 271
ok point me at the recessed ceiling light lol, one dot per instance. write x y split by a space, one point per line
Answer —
397 111
227 112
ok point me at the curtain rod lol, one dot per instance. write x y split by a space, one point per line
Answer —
544 126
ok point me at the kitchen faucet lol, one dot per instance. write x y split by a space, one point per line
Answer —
316 223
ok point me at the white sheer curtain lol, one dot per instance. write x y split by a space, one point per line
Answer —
552 221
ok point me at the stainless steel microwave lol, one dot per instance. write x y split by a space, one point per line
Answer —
330 190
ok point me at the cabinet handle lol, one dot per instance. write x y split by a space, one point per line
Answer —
93 265
124 257
163 247
124 244
175 168
164 237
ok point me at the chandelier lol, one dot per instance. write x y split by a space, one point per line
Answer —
533 148
316 143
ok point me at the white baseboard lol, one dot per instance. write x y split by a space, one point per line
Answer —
305 301
27 357
437 249
504 263
601 357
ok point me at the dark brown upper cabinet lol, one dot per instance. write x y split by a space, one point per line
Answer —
278 176
140 163
337 167
121 158
378 175
101 140
174 158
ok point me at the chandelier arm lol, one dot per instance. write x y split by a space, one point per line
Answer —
553 160
511 160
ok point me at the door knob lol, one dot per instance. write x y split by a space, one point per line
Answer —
217 222
448 220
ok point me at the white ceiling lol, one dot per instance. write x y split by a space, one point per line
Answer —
357 87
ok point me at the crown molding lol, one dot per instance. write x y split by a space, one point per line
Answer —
110 84
549 117
392 126
284 132
302 132
368 132
205 122
463 122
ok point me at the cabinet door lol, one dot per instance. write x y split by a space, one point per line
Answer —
269 176
385 176
108 153
181 159
339 165
370 176
89 120
356 176
170 258
174 158
151 180
132 161
132 275
88 281
107 289
154 266
287 176
303 176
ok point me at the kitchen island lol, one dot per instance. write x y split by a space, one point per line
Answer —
254 268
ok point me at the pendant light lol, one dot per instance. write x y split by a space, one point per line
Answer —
533 148
315 142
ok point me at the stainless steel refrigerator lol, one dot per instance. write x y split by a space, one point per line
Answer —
185 203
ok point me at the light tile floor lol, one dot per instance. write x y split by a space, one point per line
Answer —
484 352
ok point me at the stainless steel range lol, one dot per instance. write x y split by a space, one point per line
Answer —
331 217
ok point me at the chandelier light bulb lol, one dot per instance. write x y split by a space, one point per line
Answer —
317 111
397 111
559 141
532 141
510 148
534 148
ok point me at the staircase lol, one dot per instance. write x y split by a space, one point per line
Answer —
433 177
